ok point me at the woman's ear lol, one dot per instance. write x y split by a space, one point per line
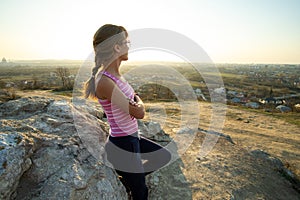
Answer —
117 48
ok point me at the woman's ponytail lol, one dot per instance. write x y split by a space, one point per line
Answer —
89 85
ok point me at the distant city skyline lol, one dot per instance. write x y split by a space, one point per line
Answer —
230 31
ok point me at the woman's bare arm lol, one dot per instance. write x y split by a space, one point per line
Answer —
107 89
136 108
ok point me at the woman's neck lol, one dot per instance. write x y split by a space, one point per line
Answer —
114 67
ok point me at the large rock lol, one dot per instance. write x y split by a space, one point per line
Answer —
14 161
42 156
24 107
53 150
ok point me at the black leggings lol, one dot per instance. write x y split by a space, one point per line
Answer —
127 155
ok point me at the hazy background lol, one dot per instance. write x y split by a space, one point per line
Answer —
239 31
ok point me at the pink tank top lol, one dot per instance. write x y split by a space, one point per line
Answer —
120 122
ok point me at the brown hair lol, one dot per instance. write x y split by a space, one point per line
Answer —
103 42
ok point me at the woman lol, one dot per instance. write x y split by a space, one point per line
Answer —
125 149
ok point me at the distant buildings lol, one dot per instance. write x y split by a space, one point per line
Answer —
199 94
4 62
252 105
283 108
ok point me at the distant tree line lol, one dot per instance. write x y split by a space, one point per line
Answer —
61 79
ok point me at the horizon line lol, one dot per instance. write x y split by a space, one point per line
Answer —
146 61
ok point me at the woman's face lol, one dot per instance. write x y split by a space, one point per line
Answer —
125 45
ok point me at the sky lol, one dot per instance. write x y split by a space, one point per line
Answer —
229 31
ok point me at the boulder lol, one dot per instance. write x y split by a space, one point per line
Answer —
52 149
42 156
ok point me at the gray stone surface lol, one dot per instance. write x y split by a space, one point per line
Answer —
43 157
52 149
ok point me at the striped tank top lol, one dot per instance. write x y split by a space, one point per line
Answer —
120 122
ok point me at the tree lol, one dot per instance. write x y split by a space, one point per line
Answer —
63 73
271 92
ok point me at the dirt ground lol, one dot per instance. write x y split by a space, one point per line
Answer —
233 170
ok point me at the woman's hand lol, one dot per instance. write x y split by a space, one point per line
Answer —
136 108
133 103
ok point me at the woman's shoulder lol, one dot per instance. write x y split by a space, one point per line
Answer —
104 86
103 81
